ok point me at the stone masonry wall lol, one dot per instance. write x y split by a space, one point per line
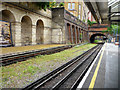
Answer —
19 13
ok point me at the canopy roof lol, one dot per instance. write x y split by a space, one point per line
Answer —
114 6
105 12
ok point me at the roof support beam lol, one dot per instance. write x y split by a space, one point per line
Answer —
91 8
115 20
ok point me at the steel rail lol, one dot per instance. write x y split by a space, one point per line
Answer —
10 59
76 83
57 85
56 71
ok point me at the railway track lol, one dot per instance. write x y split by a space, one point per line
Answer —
22 56
69 74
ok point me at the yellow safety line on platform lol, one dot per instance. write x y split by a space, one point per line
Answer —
91 86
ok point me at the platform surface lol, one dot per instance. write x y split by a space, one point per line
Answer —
105 71
7 50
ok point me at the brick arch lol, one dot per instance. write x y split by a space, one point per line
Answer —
92 37
91 33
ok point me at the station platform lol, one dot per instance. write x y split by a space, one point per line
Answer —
8 50
104 72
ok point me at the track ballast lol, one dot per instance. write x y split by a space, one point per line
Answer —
68 75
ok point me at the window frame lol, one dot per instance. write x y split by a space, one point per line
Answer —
69 6
73 7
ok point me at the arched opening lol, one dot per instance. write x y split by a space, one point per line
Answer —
74 38
93 37
7 16
8 25
80 35
77 34
39 32
26 31
85 35
69 33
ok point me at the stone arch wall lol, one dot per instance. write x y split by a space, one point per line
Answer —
46 30
50 31
74 32
17 29
39 32
26 30
8 16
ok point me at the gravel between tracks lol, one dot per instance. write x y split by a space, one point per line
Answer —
23 73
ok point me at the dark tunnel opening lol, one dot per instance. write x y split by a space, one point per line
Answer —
92 38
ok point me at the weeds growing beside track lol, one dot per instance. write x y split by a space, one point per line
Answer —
22 73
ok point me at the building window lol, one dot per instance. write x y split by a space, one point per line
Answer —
69 6
73 5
